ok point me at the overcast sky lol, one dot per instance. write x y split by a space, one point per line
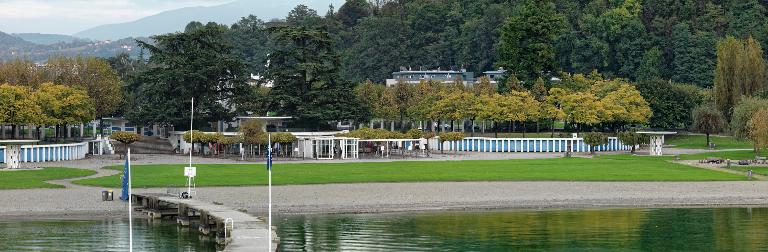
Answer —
71 16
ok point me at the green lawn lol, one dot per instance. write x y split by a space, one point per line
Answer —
700 142
732 155
757 170
23 179
606 168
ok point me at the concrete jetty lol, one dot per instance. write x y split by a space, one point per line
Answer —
235 230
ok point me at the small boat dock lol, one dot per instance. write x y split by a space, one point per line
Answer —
235 230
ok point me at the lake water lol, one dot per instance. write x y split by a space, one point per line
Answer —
98 235
693 229
696 229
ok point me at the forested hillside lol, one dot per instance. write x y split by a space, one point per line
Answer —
668 49
675 39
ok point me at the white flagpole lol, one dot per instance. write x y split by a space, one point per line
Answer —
191 123
269 166
130 207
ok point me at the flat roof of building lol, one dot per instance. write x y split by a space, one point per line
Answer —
657 132
429 71
266 117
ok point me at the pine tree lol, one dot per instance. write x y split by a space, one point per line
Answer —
650 68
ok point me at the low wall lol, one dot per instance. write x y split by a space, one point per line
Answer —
49 152
483 144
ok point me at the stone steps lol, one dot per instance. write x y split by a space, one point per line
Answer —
147 145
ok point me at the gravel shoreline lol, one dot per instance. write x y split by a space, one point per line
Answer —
406 197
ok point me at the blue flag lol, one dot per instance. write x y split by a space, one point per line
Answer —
269 159
124 196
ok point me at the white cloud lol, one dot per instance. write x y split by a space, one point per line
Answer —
69 16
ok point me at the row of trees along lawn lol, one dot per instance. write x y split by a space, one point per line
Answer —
63 91
253 137
581 101
48 104
668 48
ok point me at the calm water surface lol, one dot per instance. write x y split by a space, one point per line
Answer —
698 229
98 235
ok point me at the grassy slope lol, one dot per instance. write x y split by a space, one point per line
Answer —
700 142
24 179
607 168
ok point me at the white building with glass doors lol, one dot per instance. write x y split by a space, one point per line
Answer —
328 147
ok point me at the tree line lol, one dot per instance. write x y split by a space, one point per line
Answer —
739 94
62 92
583 102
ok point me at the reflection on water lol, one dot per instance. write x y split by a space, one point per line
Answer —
99 235
697 229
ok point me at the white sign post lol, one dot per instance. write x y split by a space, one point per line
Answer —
190 172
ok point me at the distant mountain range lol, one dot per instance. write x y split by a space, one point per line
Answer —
14 47
46 39
109 40
176 20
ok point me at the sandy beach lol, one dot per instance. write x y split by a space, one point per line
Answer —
82 201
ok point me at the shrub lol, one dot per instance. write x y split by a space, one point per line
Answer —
283 138
594 139
253 132
229 140
758 129
414 134
707 119
742 113
197 136
368 133
633 139
212 138
450 136
126 138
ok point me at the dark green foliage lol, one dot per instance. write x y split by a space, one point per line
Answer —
594 139
377 49
650 68
693 56
250 39
527 39
198 63
633 139
671 103
532 38
707 119
305 70
352 11
642 41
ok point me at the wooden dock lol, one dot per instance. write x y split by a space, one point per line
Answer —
235 230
